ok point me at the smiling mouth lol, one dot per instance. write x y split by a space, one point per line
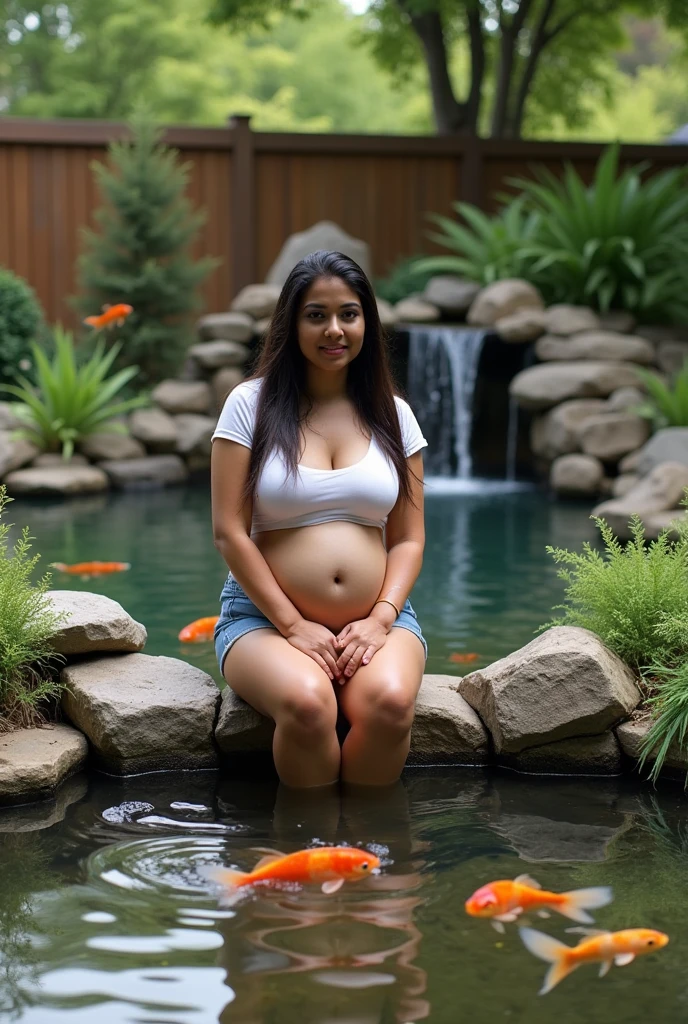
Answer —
332 348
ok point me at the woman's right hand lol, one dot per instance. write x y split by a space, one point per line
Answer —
318 642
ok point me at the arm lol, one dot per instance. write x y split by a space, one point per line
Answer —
405 543
231 533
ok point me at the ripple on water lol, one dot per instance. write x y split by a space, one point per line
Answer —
157 863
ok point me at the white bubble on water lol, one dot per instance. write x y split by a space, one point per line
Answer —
98 917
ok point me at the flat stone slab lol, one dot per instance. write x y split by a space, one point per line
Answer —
548 384
212 355
632 734
596 345
68 479
153 471
155 428
175 396
33 762
111 445
95 623
143 713
237 327
580 755
446 729
564 683
48 811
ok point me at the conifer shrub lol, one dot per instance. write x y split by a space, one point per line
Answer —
140 253
20 318
29 684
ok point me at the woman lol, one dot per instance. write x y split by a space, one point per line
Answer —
318 512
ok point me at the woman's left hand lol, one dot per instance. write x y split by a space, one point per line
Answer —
359 640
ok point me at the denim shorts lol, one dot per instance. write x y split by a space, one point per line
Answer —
239 615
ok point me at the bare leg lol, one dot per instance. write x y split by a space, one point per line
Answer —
379 702
286 685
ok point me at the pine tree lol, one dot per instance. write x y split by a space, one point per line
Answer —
140 254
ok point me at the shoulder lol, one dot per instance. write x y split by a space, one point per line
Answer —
237 419
411 434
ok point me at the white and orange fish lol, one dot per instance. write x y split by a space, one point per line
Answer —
598 947
199 630
87 569
111 316
504 901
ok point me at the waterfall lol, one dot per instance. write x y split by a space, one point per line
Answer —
512 439
442 369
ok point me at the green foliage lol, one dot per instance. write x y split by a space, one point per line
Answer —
669 707
620 242
27 625
667 404
404 279
71 400
488 247
20 317
141 254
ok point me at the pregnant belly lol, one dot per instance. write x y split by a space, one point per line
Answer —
332 572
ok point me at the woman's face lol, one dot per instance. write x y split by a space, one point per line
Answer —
330 324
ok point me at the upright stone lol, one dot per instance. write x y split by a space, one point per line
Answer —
446 730
95 623
323 235
502 299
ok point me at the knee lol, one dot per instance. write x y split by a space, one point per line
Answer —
310 708
389 709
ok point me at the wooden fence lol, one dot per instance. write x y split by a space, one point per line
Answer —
258 187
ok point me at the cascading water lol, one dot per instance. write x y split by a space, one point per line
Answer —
442 369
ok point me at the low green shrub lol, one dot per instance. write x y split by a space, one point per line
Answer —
70 399
20 318
28 683
666 404
404 279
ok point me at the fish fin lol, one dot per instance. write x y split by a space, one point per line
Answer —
544 914
58 565
270 850
527 880
550 950
621 959
222 876
580 900
332 886
269 858
498 926
510 917
106 306
605 968
587 931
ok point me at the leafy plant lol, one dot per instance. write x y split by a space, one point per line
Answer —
620 242
403 280
27 625
667 404
20 316
486 248
71 401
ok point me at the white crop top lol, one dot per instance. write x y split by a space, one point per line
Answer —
364 493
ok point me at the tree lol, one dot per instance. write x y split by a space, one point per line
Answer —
141 254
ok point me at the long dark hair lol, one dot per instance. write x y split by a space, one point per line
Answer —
282 367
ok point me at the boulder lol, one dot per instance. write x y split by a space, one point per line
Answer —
240 729
629 463
143 474
385 310
521 326
225 327
57 480
502 298
155 429
223 383
260 326
415 310
95 623
659 491
671 356
8 420
257 300
613 434
625 398
656 522
323 235
557 432
194 434
446 730
576 475
617 320
33 817
541 387
33 762
143 713
631 736
213 355
563 319
595 345
176 396
668 445
624 483
452 295
15 452
57 459
564 683
111 445
579 755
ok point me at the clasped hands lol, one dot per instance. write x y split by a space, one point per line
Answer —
339 656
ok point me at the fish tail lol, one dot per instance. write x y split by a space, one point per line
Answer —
92 321
226 877
57 565
576 902
553 952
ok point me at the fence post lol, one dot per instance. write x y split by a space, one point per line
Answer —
472 184
242 223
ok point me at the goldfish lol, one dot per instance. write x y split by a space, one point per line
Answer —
600 947
86 569
504 900
462 658
110 316
199 630
328 866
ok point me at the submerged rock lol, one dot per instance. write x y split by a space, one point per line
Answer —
33 762
564 683
580 755
48 811
631 735
95 623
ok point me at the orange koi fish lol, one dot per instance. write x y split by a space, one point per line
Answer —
110 316
328 866
199 630
600 947
503 901
86 569
462 658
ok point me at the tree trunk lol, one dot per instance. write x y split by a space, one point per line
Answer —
540 39
510 31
